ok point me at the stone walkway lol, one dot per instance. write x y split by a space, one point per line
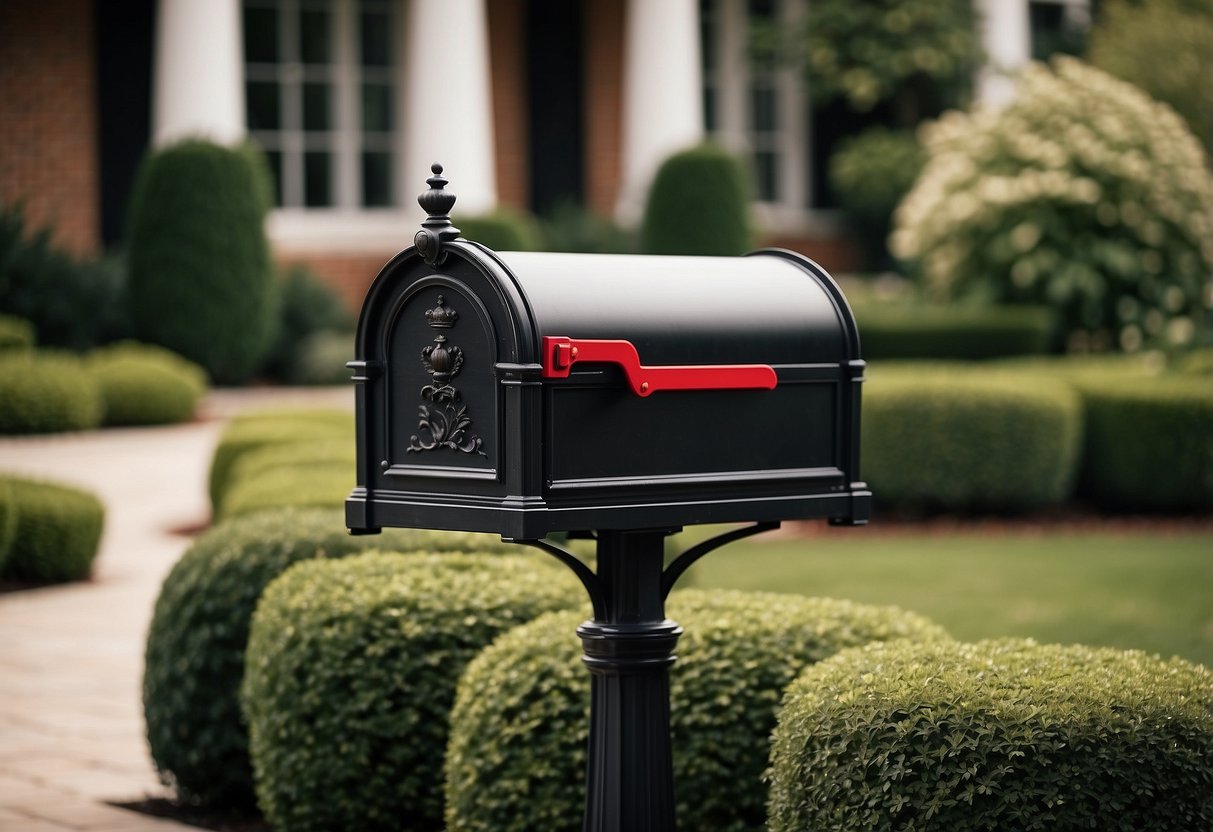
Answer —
71 720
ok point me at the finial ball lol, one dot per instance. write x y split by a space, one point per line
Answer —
436 168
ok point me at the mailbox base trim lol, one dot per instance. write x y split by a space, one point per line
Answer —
786 474
436 472
510 518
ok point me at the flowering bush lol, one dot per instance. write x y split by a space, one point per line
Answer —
1084 194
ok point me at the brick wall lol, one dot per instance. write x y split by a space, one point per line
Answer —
507 39
603 46
48 119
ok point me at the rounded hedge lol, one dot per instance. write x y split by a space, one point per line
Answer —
351 671
1149 443
263 428
516 759
965 442
306 306
46 392
15 333
201 276
8 521
194 660
698 204
503 230
142 384
1082 194
57 531
887 331
304 484
997 735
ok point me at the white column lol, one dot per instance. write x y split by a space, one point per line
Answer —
662 93
448 102
199 75
1007 40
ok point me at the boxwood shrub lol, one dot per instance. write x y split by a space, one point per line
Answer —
351 671
953 332
503 230
262 428
8 521
997 735
15 333
57 531
936 439
516 759
142 384
194 661
713 181
46 392
306 484
1149 443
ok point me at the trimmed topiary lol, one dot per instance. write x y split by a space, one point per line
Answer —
516 759
503 230
304 484
997 735
15 333
714 183
351 672
1083 194
8 521
46 392
1149 443
949 332
142 384
194 661
262 428
937 439
306 306
58 530
200 268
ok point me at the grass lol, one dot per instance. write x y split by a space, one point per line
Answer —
1142 590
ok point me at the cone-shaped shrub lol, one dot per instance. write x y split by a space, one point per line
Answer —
997 735
200 268
351 671
195 646
516 760
698 204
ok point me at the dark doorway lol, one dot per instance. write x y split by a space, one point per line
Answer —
125 33
554 90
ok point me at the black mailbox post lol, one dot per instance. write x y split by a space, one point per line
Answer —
620 396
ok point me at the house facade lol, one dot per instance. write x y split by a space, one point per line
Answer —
528 104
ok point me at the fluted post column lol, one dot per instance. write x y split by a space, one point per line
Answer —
199 73
629 649
448 100
662 92
1007 40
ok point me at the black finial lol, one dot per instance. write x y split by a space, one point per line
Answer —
437 228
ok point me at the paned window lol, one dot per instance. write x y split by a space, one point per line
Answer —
321 98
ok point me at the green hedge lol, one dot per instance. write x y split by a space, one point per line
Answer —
15 333
262 428
8 521
952 332
998 735
142 384
306 484
58 530
46 392
322 357
201 275
194 662
516 760
698 204
958 441
351 671
1149 443
503 230
306 306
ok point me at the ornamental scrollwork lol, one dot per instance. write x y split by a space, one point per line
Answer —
444 421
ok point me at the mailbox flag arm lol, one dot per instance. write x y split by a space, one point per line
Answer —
561 353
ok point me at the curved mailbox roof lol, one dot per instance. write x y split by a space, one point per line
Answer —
773 307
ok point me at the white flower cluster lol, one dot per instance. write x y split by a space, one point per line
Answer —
1083 193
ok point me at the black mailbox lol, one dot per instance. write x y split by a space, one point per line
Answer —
527 393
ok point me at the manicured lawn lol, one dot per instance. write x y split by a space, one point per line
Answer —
1142 590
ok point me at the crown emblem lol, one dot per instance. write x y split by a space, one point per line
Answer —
441 316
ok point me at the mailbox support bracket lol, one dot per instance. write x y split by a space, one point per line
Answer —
628 648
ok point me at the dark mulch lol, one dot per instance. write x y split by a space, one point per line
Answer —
196 816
